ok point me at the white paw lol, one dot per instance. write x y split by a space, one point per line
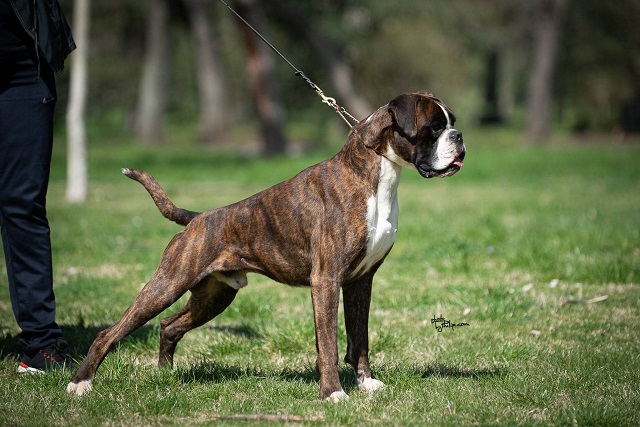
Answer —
338 396
369 385
79 388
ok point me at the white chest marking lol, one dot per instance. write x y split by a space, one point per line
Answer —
382 216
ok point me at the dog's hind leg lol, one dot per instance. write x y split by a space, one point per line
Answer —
208 299
150 302
176 274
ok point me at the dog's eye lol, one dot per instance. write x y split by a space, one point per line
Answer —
437 127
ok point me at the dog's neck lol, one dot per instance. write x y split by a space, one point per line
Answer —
383 175
359 155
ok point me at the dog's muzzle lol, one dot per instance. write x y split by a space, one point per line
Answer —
459 152
450 170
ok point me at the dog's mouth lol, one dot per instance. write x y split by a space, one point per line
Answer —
452 169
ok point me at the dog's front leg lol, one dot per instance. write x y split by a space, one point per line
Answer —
357 300
325 294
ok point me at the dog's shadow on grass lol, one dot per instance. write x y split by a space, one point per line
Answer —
243 331
214 372
220 372
441 370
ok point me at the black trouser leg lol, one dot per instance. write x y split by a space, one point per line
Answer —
27 102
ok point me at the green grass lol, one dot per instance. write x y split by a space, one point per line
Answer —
503 246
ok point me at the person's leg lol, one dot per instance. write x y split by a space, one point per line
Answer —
27 103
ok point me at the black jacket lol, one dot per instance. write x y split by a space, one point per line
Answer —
45 23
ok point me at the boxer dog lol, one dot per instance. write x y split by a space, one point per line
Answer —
329 228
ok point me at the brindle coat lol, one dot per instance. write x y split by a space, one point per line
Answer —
311 230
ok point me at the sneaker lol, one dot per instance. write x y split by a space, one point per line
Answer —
45 359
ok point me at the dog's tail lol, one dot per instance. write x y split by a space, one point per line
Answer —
166 206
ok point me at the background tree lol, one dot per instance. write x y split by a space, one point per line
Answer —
154 80
332 62
259 67
548 26
478 55
598 75
76 107
211 82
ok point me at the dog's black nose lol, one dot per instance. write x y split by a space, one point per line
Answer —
455 136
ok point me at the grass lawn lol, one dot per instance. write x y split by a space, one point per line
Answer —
536 248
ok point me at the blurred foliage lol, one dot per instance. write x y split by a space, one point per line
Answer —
392 47
600 65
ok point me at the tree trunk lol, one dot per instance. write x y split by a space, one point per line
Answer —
339 71
492 114
213 106
152 97
548 28
259 67
76 191
507 85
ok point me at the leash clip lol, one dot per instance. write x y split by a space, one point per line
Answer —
331 102
328 100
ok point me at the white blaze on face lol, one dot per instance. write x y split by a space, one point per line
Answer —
445 147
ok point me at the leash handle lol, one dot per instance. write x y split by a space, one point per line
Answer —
325 99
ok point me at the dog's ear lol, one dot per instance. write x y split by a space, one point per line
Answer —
403 111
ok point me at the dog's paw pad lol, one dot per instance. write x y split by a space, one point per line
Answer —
369 385
337 396
79 388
